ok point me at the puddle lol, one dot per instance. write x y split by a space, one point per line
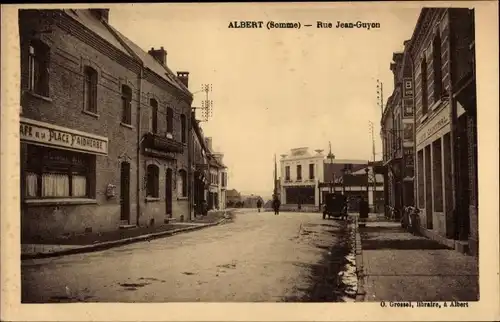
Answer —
227 266
149 279
349 278
133 285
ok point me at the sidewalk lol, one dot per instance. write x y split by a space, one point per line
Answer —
58 246
394 265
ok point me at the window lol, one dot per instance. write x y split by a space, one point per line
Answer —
126 105
420 179
423 75
437 65
53 173
437 176
311 171
170 120
287 173
90 90
299 172
154 115
38 64
153 185
182 184
183 128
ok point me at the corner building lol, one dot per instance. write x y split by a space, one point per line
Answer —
83 140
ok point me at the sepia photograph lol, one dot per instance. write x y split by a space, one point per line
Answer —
236 153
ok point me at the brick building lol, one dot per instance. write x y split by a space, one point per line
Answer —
398 135
442 56
103 127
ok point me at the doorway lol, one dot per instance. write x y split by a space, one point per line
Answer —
168 193
125 193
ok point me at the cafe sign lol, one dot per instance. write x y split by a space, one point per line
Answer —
46 134
433 127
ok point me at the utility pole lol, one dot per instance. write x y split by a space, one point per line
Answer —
206 104
380 96
275 190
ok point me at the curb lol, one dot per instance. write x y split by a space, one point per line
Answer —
115 243
360 294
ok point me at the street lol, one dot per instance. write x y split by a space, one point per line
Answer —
257 257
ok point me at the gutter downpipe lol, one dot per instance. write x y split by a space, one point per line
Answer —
190 162
138 166
415 156
455 165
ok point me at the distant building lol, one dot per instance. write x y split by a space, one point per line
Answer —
301 172
251 201
232 197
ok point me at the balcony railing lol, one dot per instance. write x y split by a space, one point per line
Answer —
162 143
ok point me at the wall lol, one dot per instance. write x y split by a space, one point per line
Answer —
434 124
67 57
156 209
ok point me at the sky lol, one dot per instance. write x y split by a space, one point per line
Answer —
274 90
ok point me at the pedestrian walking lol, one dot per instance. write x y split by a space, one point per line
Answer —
259 204
204 208
276 205
364 209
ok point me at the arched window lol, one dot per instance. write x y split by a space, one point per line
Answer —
154 115
182 183
183 128
90 89
38 64
126 105
153 186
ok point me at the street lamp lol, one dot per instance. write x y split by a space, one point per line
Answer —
343 180
367 180
331 157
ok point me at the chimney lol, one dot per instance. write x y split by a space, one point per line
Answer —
184 78
100 14
160 55
208 142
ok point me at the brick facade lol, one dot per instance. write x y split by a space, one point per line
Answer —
73 46
445 129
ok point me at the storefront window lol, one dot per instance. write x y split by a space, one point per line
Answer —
53 173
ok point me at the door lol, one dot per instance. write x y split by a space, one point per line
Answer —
125 192
168 193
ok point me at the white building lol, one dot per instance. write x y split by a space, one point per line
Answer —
301 173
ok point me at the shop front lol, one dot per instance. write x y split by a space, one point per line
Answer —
59 179
434 174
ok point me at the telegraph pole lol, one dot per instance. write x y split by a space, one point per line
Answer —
380 96
275 190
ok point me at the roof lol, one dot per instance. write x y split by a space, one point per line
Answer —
152 64
336 168
86 18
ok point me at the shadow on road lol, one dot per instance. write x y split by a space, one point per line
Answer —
374 238
325 278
